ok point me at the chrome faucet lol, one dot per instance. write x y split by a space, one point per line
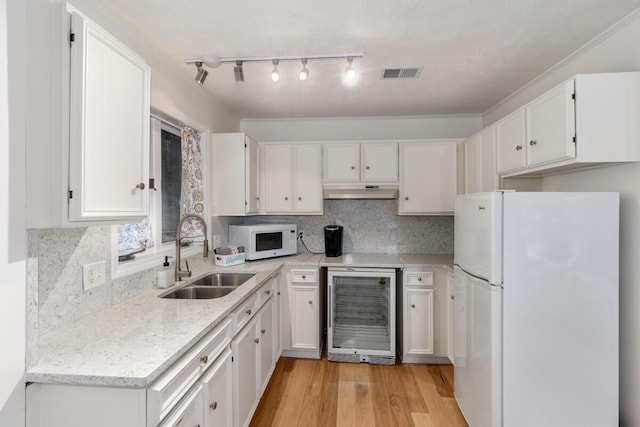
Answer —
205 252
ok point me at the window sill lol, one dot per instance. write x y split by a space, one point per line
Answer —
149 261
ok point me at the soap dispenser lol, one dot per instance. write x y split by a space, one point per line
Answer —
166 275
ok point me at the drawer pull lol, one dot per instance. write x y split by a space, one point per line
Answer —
257 340
248 312
304 277
204 359
263 331
214 406
413 306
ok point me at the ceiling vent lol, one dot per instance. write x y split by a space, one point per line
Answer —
401 73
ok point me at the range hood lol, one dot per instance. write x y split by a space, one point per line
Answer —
361 192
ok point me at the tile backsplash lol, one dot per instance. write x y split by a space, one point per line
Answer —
369 226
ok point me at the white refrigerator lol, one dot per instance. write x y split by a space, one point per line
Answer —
536 309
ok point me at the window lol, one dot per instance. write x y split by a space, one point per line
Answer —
152 239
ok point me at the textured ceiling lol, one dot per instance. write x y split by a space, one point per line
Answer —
474 52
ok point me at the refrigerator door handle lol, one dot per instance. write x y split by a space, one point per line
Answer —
329 310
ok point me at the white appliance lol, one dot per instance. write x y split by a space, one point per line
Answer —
264 240
536 309
361 316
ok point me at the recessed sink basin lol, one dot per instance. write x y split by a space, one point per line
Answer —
222 279
200 292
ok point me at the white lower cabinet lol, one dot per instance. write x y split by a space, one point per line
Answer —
189 412
301 313
253 363
218 386
423 316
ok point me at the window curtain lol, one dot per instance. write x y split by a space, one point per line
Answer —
135 236
192 185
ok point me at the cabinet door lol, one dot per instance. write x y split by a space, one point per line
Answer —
189 412
379 162
304 317
246 353
266 344
251 176
427 178
486 161
308 178
341 163
419 321
217 382
450 316
551 126
510 142
471 160
109 127
278 175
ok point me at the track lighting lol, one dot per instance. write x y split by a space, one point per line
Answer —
214 61
275 74
304 73
349 72
202 74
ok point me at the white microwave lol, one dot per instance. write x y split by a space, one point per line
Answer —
264 240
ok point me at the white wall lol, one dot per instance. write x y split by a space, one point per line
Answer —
358 128
12 273
617 50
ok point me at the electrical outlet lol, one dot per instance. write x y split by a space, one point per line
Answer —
93 275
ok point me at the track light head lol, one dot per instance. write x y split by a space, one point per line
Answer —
238 73
201 75
304 73
275 74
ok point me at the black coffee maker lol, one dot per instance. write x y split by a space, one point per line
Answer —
333 240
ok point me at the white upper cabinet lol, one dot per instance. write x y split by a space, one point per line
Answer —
511 139
366 162
480 164
292 178
590 119
427 178
109 127
235 186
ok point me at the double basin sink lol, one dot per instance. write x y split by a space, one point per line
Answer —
212 285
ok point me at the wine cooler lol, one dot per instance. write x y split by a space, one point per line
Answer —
361 315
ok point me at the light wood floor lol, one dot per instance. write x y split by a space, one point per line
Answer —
305 392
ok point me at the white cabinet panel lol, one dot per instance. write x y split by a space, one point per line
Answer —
266 337
189 412
278 172
551 126
245 348
109 127
341 163
304 317
379 162
218 389
419 321
511 136
427 178
307 181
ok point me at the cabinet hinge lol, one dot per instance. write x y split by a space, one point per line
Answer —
574 139
70 194
232 359
72 37
246 203
573 96
245 145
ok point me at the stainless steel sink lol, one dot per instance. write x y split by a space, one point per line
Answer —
200 292
222 279
209 286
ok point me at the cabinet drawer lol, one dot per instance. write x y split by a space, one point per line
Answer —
163 395
266 291
305 276
419 278
246 311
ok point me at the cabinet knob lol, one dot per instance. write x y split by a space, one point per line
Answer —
268 291
518 147
204 359
533 142
368 168
213 406
286 198
263 331
249 312
419 279
257 340
257 198
278 293
453 297
310 302
299 198
413 306
141 186
353 167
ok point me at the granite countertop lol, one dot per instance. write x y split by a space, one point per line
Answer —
133 343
